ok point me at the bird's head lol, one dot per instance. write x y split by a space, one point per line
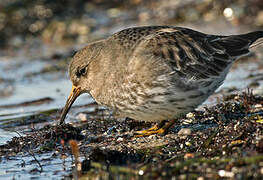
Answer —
83 72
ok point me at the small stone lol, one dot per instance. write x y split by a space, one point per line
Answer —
234 169
152 137
223 173
120 139
258 106
200 178
185 131
181 146
190 115
208 170
188 143
187 121
182 176
82 117
141 172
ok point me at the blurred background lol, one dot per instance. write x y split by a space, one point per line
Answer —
64 21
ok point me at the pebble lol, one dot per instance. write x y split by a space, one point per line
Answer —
141 172
153 137
181 146
120 139
224 173
82 117
190 115
258 106
185 131
188 143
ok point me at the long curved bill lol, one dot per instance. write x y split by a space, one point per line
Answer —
75 92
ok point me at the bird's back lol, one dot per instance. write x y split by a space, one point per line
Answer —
192 55
188 66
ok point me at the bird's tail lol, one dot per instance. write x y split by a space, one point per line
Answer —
238 45
255 38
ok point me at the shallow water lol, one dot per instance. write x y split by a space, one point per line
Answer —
6 136
18 167
54 86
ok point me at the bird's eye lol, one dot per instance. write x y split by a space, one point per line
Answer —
81 72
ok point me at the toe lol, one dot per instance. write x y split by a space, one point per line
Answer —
144 133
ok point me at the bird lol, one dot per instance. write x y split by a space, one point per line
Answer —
155 73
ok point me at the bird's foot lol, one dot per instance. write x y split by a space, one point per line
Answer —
149 132
156 129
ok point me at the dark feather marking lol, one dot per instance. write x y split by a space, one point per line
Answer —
238 53
133 97
181 74
171 54
202 76
181 53
233 43
217 46
196 95
173 60
145 107
216 68
193 73
163 55
177 99
159 94
173 101
220 63
154 102
194 50
191 107
206 47
223 57
207 83
211 71
200 68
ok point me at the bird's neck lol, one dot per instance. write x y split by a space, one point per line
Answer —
107 82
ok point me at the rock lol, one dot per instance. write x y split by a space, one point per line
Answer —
185 131
82 117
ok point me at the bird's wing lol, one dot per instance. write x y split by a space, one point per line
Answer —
191 54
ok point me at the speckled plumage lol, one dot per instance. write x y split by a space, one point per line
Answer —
156 73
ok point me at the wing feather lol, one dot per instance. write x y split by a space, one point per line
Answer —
189 53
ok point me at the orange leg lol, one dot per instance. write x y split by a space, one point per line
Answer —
160 128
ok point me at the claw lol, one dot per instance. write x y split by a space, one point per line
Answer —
150 131
155 127
160 129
